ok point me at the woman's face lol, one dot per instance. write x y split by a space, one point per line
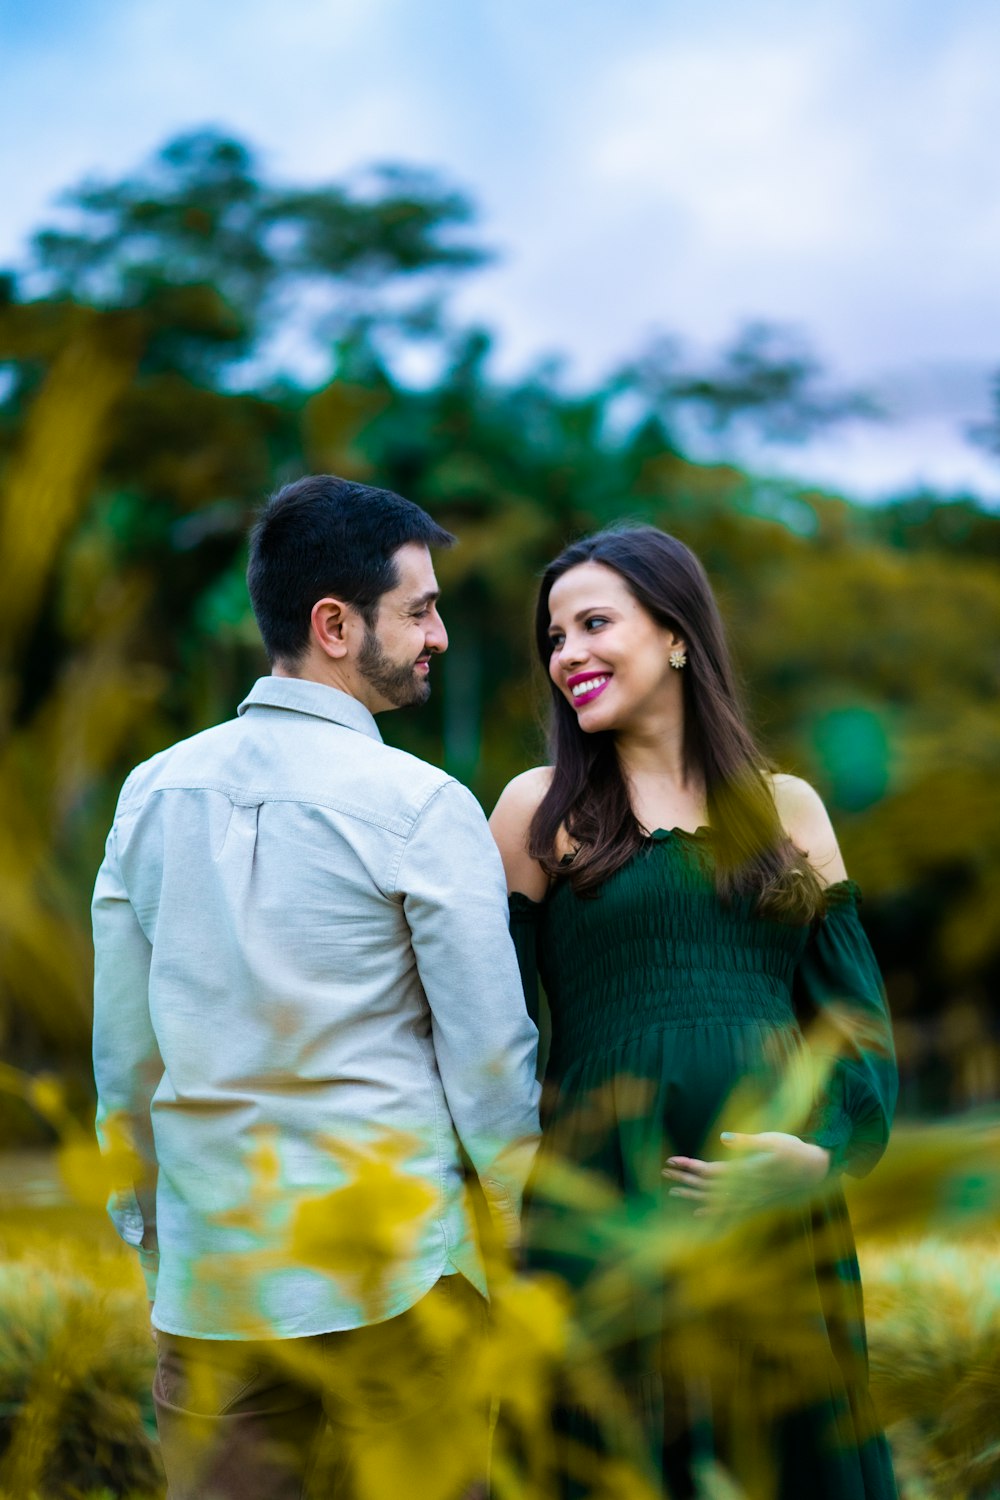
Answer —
610 659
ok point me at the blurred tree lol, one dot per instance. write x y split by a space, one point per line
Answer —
46 751
146 407
987 433
211 254
767 378
139 427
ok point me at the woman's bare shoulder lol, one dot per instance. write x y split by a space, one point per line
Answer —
524 793
509 824
807 823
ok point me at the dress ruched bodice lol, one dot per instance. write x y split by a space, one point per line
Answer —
654 949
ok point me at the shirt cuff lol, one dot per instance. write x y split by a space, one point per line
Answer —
149 1260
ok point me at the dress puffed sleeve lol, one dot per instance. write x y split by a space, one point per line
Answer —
525 916
842 1002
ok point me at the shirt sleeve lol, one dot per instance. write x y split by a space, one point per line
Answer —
840 992
454 896
127 1063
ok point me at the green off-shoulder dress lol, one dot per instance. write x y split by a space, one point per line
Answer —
736 1342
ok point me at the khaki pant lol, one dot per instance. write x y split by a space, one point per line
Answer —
397 1406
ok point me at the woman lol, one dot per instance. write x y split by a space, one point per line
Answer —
689 914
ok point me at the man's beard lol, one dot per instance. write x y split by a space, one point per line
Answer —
399 685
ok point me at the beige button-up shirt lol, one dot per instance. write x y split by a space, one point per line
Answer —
307 1006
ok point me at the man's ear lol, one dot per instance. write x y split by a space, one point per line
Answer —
331 621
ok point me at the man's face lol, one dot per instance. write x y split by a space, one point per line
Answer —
395 655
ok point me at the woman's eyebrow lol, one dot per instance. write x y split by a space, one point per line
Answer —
591 609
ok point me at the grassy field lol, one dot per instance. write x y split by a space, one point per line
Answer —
76 1355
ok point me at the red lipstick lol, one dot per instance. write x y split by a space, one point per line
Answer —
587 694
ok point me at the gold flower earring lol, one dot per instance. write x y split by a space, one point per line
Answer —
678 658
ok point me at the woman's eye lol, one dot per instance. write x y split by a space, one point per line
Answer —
596 621
555 641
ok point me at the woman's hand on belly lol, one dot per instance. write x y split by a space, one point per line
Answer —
765 1168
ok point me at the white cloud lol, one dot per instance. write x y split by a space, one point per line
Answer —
832 165
878 462
734 137
294 78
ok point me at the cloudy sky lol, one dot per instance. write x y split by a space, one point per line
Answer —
640 165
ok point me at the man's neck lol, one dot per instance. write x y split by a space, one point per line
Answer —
328 674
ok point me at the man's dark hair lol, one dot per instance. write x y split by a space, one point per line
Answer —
327 536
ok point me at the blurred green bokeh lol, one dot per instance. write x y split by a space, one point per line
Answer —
852 748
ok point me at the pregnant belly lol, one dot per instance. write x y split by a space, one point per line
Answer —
672 1090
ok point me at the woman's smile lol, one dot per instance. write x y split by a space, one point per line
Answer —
584 687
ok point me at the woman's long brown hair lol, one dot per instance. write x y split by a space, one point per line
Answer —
588 794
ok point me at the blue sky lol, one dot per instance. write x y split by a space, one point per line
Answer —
641 166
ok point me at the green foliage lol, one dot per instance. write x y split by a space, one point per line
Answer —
145 419
766 376
204 250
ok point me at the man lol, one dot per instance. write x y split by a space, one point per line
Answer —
306 1003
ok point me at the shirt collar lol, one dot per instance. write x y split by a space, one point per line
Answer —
302 695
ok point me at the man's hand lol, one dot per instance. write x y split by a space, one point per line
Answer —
765 1169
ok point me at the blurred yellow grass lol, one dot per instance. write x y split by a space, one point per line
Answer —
76 1363
63 440
45 487
76 1357
934 1328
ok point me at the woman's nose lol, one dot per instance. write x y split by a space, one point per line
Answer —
572 652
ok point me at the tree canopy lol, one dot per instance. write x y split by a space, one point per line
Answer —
152 347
